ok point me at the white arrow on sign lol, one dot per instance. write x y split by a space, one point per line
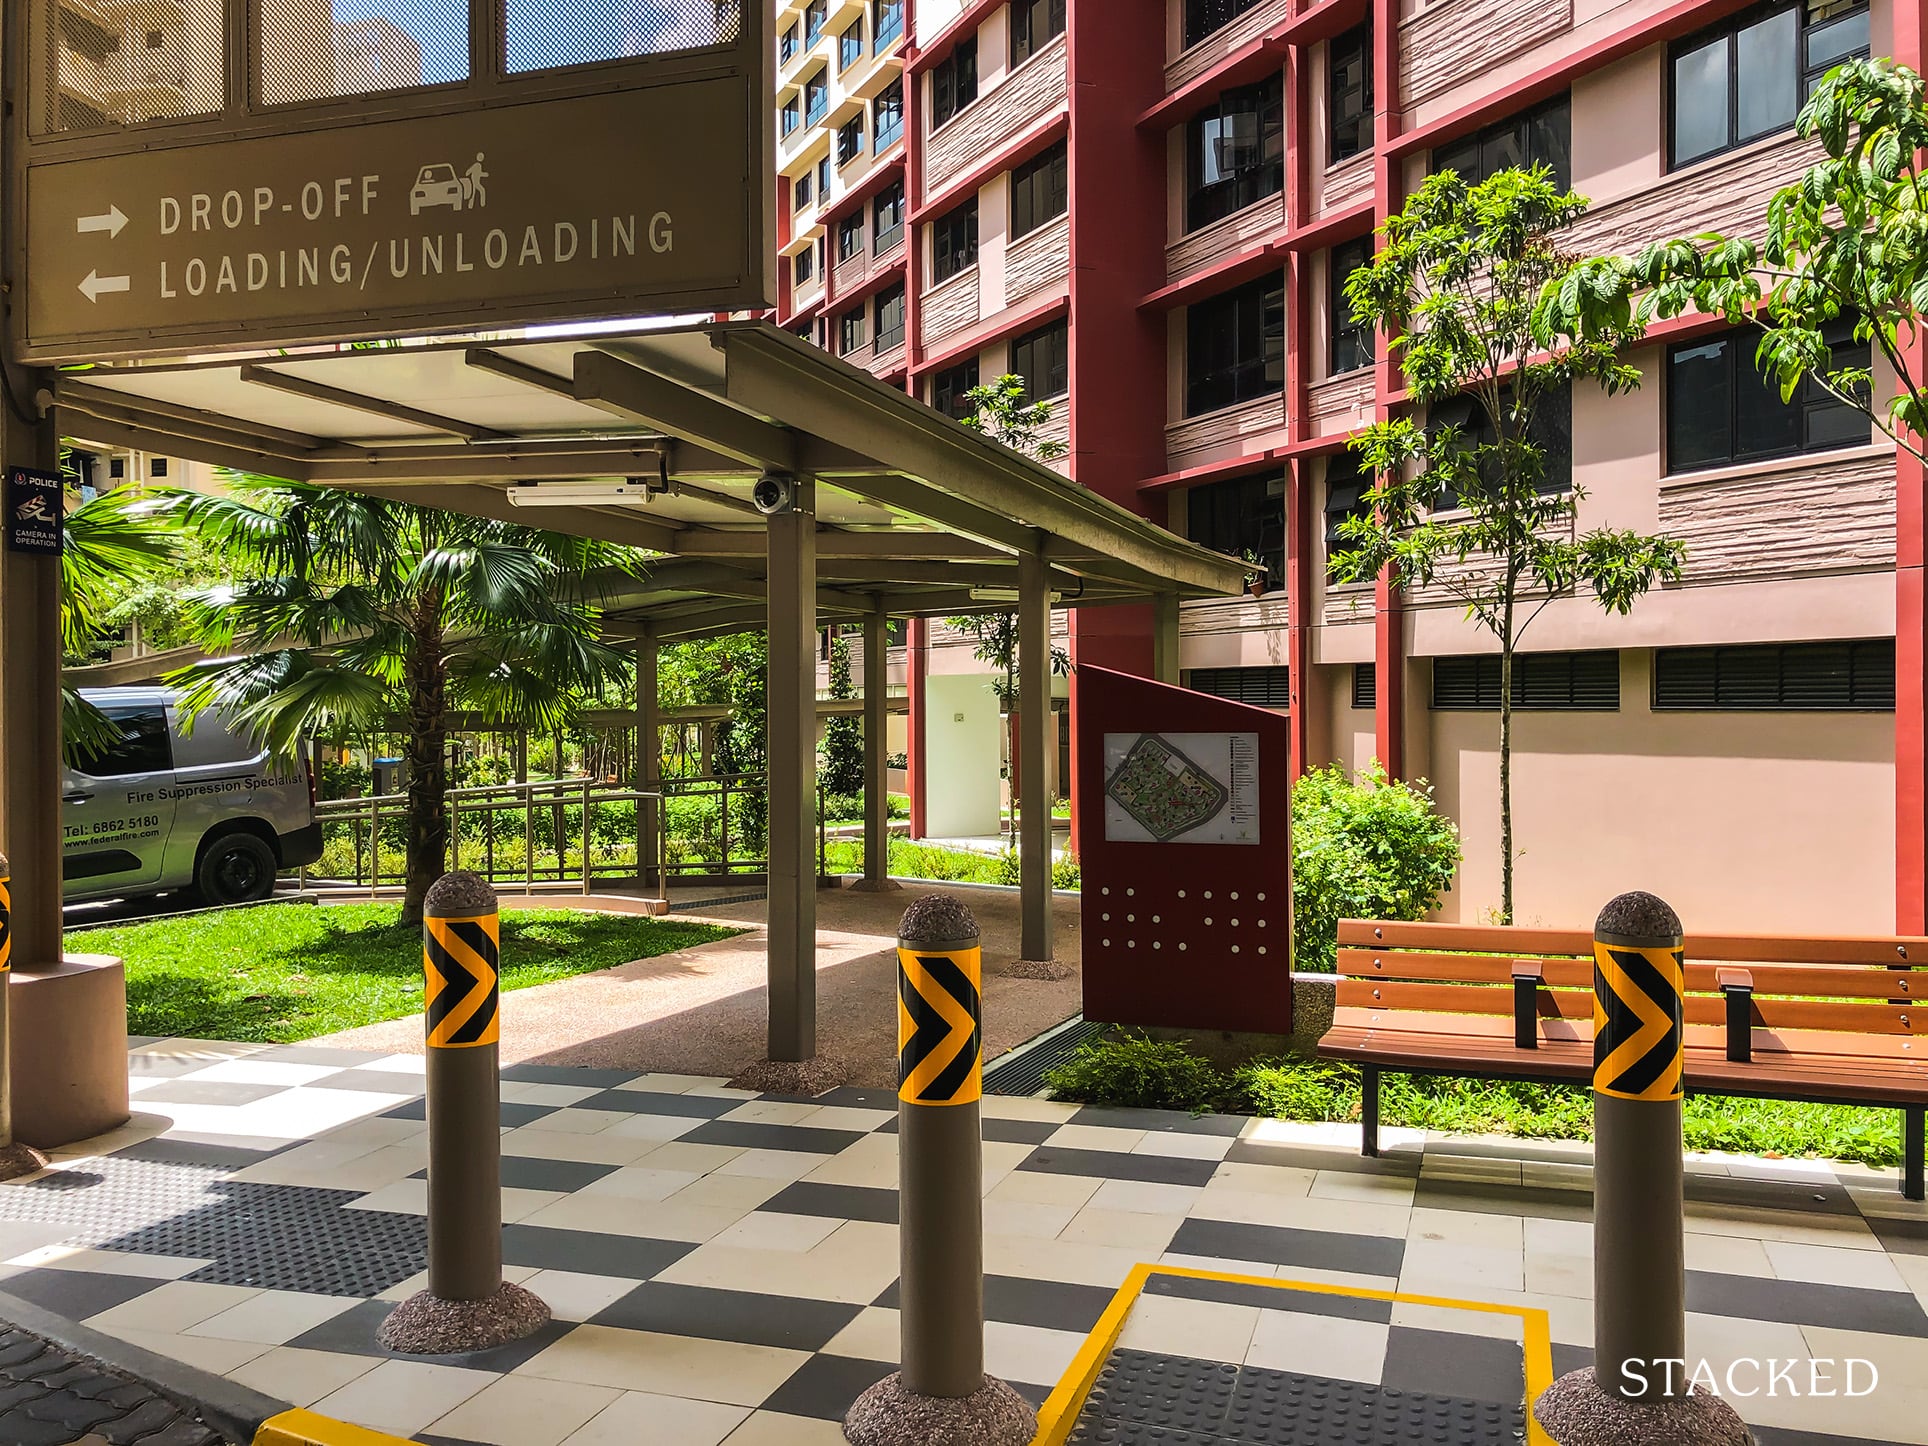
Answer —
111 223
95 284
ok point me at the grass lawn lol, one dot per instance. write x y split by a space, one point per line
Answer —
292 971
1130 1070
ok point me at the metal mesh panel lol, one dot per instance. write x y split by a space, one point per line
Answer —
118 62
543 34
312 50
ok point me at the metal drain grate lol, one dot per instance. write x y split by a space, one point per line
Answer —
276 1237
1022 1070
694 904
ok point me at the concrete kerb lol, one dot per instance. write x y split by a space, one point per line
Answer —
245 1417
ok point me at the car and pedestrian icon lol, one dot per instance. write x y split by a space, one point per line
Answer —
439 184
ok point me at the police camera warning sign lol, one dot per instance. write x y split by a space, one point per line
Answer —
34 511
470 218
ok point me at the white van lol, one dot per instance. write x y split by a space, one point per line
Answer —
163 809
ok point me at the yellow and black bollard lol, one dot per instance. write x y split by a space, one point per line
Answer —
16 1159
941 1393
1639 1380
467 1305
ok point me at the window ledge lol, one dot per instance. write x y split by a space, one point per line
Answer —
1799 462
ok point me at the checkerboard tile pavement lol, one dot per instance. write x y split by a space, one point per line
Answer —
722 1265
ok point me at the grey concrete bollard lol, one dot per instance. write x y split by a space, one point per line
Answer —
941 1393
1637 1389
467 1305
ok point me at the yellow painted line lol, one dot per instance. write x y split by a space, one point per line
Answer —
306 1428
1060 1410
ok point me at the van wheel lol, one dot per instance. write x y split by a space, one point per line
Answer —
236 868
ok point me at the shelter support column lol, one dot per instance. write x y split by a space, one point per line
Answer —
1033 792
649 763
876 877
30 720
917 660
792 778
1164 637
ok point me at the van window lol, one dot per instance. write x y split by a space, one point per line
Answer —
144 745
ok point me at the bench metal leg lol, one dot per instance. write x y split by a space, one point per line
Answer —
1369 1109
1911 1150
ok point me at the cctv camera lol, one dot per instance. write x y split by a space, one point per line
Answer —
775 492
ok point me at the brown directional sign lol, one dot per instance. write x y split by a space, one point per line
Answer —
615 203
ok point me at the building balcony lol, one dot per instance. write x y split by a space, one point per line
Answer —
1828 513
1037 261
1023 98
886 356
1188 66
1460 42
1233 431
1234 632
1339 405
1198 250
948 307
1344 185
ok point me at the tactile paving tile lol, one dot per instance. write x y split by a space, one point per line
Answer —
1151 1389
277 1237
1143 1397
1281 1407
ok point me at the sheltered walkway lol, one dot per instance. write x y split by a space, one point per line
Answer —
872 506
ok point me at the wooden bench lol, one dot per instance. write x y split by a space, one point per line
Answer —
1824 1021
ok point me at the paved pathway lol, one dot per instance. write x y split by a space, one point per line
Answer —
723 1265
703 1010
51 1397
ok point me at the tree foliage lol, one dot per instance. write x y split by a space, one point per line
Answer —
110 542
999 411
355 612
1844 253
1457 284
842 767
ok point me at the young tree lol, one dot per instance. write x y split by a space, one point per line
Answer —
999 411
843 733
1471 509
356 611
1843 260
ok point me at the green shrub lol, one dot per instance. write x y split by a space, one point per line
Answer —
1064 872
1136 1072
1369 848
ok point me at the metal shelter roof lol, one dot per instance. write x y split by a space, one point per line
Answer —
655 437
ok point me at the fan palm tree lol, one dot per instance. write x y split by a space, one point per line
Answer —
362 612
109 542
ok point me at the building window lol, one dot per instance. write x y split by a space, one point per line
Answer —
1551 431
954 242
1208 17
1365 685
787 47
1349 93
889 123
890 317
792 114
850 235
816 98
1241 515
823 180
888 209
1043 359
1352 345
886 22
850 331
806 264
850 45
1746 78
1778 678
850 139
1542 682
954 82
1235 152
814 15
801 191
1260 687
1347 484
1542 136
1235 346
950 386
1722 410
1034 24
1040 190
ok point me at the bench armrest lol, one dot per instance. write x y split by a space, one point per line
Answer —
1737 988
1527 975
